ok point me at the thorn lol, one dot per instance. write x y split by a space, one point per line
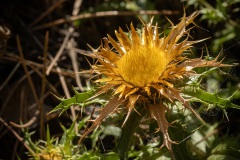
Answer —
75 91
225 113
128 114
60 99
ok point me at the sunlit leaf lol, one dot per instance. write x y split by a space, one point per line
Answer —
77 99
200 95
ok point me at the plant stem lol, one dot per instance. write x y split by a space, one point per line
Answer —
128 131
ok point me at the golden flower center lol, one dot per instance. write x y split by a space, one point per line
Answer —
142 65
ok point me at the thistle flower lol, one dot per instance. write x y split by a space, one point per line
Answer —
144 69
54 154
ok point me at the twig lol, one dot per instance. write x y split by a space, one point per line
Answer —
15 150
45 52
59 53
13 90
32 64
29 123
10 76
104 14
34 118
81 51
58 69
26 71
76 7
215 131
62 79
17 136
72 44
73 56
66 91
30 81
65 88
47 12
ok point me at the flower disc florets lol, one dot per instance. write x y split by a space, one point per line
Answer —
145 68
142 65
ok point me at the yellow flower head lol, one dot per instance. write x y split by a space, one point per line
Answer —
143 70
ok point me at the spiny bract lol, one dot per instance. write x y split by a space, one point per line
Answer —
143 70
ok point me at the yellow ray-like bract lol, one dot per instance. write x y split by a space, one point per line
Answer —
144 69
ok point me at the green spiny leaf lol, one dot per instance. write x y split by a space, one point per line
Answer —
48 137
78 98
209 98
